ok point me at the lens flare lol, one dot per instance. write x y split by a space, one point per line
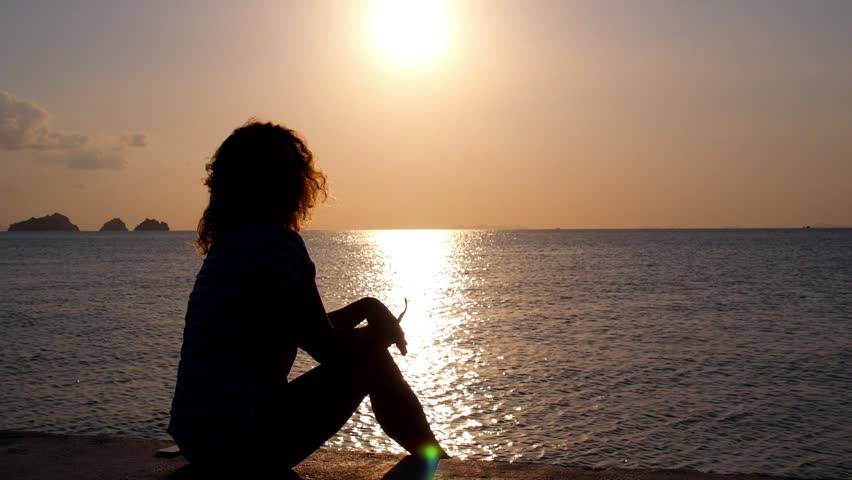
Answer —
431 452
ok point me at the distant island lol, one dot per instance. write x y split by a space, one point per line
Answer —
114 225
49 223
152 225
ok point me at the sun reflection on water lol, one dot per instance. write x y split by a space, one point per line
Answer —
417 266
425 266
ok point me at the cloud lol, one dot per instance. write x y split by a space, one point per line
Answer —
87 159
24 125
137 140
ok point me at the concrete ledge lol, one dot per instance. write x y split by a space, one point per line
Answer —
30 455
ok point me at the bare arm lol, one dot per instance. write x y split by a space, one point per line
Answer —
328 340
378 317
351 315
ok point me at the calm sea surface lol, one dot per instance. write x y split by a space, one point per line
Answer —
726 351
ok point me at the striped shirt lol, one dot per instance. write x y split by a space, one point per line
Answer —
238 342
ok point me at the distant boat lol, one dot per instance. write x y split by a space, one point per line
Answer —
806 227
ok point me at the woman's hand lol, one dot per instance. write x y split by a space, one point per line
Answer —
385 324
379 318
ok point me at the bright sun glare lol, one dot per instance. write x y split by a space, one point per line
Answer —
410 32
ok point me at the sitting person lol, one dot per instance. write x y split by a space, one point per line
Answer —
255 301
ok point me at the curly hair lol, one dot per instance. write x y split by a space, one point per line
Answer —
263 173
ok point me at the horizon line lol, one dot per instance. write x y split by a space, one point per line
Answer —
484 228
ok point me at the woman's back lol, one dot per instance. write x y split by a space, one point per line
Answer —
238 347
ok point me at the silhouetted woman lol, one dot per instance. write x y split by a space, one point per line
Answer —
255 301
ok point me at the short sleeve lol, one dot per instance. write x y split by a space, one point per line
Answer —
289 261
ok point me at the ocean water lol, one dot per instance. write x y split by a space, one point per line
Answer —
724 350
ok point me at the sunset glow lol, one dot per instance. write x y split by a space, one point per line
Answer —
533 237
410 32
438 114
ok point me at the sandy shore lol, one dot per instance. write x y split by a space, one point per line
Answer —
29 455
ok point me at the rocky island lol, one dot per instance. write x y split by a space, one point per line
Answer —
151 225
114 225
48 223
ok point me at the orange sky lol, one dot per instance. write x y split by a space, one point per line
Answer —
537 114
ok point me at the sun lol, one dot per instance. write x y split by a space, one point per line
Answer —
410 32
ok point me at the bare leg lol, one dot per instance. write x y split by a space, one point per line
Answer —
322 400
397 409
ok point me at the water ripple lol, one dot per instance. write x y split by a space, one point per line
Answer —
726 351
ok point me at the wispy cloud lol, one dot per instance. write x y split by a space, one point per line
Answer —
95 158
25 125
136 140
